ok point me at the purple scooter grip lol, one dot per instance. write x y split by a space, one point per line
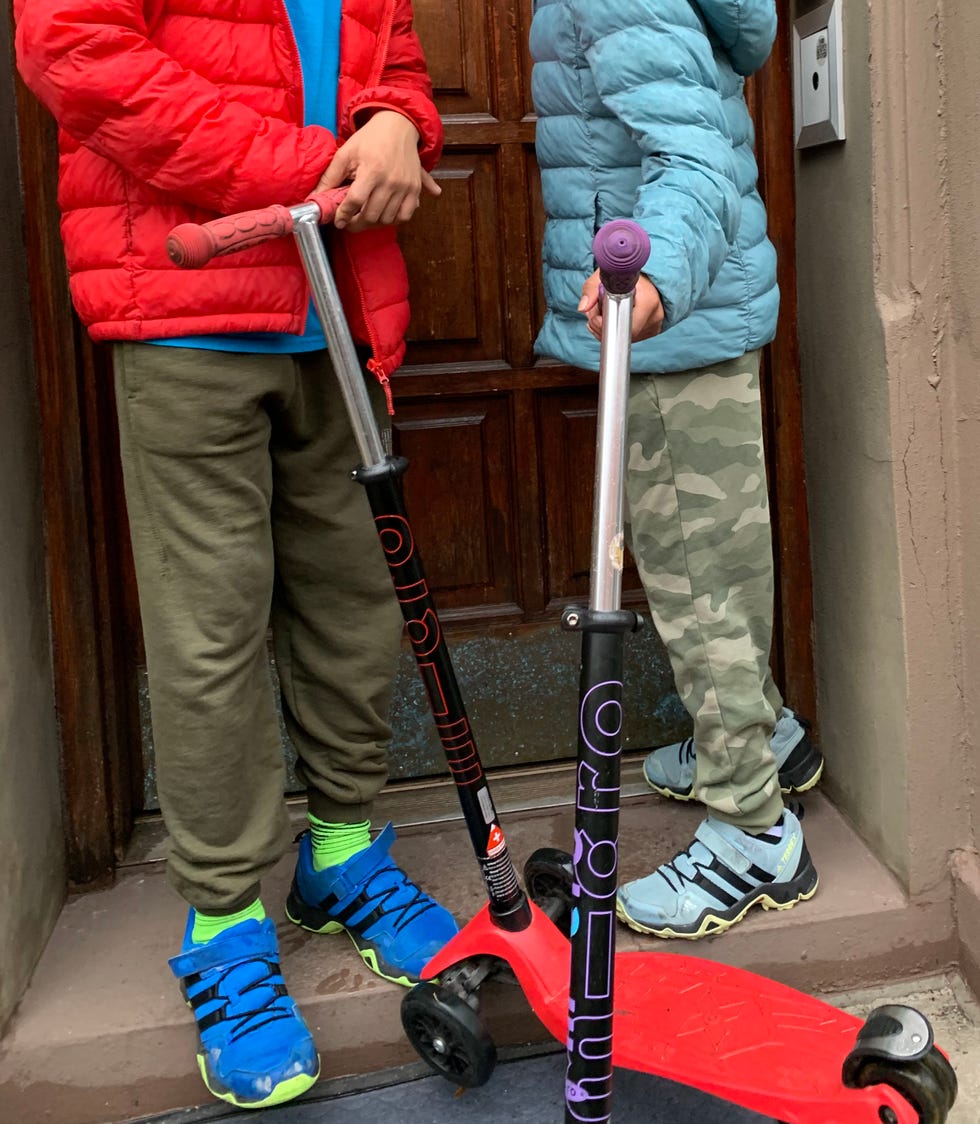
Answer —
621 249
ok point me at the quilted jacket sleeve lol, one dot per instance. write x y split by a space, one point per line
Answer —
91 63
405 87
655 77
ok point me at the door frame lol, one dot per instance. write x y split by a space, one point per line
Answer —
770 97
87 538
94 686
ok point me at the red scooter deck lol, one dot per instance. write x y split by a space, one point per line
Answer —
741 1037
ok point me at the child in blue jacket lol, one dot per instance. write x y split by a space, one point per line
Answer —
641 114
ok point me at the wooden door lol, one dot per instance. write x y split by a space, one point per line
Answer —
501 444
471 397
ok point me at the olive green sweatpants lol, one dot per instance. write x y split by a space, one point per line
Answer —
242 511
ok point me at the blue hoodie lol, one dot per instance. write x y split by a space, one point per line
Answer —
641 114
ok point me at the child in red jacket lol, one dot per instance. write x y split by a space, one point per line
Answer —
236 454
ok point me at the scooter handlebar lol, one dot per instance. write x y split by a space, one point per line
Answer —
192 245
621 249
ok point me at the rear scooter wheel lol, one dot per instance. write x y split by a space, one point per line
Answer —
928 1084
894 1047
448 1034
549 876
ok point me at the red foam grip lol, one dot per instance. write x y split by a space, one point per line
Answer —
328 202
191 246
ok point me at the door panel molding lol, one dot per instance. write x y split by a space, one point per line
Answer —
458 450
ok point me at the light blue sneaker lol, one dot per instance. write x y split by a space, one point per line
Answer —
396 927
716 881
670 770
255 1050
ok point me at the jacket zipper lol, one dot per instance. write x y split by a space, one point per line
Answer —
297 62
298 69
388 20
375 365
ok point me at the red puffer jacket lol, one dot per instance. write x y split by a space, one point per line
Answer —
175 111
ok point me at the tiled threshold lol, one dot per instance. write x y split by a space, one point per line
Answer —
102 1035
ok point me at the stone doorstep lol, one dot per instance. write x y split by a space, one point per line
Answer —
102 1035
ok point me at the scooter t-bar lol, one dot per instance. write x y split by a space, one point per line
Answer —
620 249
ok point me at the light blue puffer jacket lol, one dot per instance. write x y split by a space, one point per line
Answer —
641 114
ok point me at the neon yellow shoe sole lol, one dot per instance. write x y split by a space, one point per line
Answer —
285 1091
368 955
711 925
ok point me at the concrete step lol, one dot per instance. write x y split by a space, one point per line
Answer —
103 1036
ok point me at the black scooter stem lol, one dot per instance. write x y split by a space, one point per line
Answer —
381 475
508 903
588 1087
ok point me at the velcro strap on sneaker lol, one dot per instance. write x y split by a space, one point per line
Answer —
259 944
351 875
718 845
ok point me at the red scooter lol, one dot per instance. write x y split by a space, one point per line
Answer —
739 1036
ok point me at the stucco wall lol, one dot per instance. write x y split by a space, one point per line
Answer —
32 874
914 51
890 429
963 169
857 601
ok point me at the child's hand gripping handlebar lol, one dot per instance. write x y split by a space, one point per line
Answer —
192 246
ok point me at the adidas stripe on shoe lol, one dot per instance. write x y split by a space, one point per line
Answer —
395 926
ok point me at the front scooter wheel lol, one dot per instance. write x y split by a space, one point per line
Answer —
448 1034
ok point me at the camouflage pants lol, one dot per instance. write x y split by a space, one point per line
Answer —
700 534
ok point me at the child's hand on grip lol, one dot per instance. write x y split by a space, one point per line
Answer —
381 164
648 310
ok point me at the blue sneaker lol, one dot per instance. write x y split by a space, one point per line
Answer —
716 881
670 770
395 926
256 1051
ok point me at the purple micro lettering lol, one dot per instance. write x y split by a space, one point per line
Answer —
600 927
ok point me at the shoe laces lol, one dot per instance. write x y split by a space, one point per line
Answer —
388 890
229 987
685 751
685 859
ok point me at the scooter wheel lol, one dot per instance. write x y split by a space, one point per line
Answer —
928 1084
549 876
895 1047
448 1034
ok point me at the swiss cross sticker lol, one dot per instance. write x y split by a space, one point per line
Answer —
495 843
